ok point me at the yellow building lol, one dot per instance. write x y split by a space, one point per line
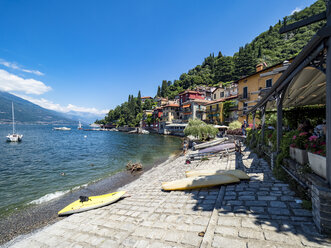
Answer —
214 112
251 88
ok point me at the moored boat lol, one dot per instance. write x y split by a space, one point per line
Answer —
14 137
62 128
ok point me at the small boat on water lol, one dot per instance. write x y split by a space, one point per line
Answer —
14 137
62 128
80 127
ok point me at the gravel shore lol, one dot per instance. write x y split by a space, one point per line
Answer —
261 212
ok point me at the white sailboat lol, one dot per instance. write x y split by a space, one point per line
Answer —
14 137
79 126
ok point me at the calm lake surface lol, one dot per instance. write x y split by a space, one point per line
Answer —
30 171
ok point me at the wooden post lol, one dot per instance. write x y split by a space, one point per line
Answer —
279 121
263 123
328 99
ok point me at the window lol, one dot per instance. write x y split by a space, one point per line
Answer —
268 83
245 92
216 106
222 94
214 96
245 106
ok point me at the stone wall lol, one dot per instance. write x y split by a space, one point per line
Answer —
321 203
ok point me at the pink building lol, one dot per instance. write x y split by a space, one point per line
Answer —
190 95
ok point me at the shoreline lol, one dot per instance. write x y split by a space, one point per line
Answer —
27 221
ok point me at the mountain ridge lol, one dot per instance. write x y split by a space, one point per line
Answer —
27 112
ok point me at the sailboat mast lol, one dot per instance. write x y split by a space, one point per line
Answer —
12 110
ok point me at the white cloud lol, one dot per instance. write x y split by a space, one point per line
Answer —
16 67
297 9
10 82
57 107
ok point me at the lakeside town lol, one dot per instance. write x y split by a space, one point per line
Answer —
251 166
213 105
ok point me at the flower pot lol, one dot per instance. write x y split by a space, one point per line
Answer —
317 164
301 156
292 153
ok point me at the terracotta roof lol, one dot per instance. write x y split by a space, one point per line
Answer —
146 97
257 72
190 91
171 105
223 99
197 101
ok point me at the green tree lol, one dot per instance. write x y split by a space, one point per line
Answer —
139 103
164 88
148 105
200 130
158 94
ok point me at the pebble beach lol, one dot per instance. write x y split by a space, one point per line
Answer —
260 212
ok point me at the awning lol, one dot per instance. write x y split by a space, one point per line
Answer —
186 105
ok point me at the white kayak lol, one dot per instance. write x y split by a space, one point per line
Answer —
199 182
197 173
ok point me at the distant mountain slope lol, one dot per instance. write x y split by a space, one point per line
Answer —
28 112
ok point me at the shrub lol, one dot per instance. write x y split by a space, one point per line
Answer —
200 129
235 125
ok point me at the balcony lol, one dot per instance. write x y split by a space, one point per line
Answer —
212 110
241 97
263 92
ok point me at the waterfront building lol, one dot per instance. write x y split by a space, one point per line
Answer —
206 90
175 129
190 95
170 111
157 114
215 111
161 101
193 109
146 114
251 88
225 91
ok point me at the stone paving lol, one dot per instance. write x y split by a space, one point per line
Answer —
261 212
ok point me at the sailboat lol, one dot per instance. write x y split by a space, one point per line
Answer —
79 126
14 137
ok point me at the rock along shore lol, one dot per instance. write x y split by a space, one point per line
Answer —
262 212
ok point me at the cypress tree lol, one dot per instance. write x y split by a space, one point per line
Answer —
164 88
140 109
158 91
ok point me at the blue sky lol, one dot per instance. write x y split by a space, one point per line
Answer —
90 55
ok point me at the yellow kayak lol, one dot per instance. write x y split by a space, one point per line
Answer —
197 173
199 182
91 202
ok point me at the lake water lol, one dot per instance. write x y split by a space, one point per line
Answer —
30 171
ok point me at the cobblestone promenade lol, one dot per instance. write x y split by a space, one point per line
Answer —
261 212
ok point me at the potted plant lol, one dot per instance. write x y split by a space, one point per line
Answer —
316 155
299 146
292 151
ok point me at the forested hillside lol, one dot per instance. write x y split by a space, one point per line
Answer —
270 48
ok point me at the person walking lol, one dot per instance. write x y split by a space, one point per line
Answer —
185 146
